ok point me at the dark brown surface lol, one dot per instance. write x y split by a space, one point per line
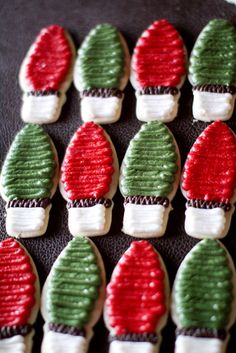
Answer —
20 22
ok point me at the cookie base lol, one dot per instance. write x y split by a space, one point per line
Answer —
42 109
163 107
210 106
17 344
186 344
145 221
132 347
56 342
27 222
101 110
89 221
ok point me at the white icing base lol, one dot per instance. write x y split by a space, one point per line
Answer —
145 221
101 110
26 222
188 344
132 347
17 344
232 1
42 109
162 107
209 106
55 342
205 223
89 221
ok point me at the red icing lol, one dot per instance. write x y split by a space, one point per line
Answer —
159 56
136 294
88 164
50 62
17 284
210 168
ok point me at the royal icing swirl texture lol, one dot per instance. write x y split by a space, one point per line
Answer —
101 58
29 167
50 61
204 288
136 294
159 56
213 60
210 169
17 287
87 168
150 163
74 285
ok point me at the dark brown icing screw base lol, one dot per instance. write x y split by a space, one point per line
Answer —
202 332
135 337
44 203
102 92
73 331
43 93
208 204
158 90
147 200
215 89
89 203
10 331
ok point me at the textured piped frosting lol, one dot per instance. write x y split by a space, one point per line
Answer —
213 59
210 169
30 165
159 57
49 63
149 167
101 58
204 288
74 285
136 294
88 164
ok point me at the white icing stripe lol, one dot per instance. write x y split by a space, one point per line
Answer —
84 220
205 223
55 342
145 220
188 344
161 107
24 219
101 110
15 344
41 109
132 347
209 106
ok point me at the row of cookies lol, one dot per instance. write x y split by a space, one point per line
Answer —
157 72
149 179
136 302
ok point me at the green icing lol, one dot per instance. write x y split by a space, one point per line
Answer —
150 162
74 285
213 60
29 167
204 288
101 58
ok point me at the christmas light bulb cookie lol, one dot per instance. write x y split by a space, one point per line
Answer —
46 74
158 70
19 294
149 179
203 299
89 178
28 181
136 306
212 71
72 298
209 182
101 74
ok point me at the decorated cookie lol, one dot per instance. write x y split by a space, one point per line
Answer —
46 74
149 179
212 71
158 70
89 178
209 182
101 73
28 181
203 299
19 298
136 306
72 298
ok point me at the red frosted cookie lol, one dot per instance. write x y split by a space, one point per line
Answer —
136 306
89 177
158 70
46 74
209 182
